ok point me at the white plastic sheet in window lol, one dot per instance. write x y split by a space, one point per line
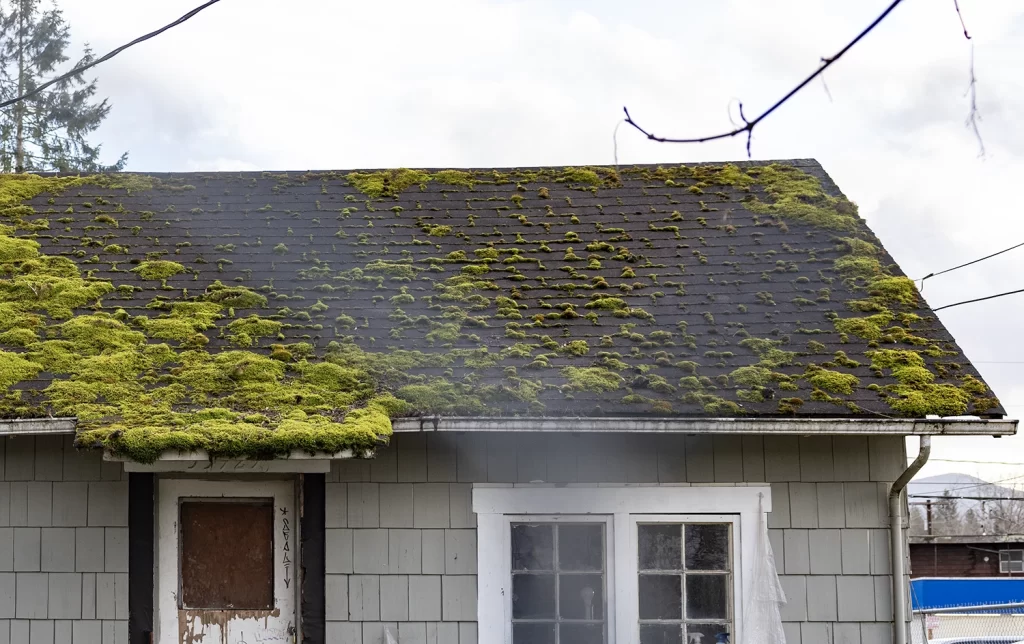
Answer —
762 619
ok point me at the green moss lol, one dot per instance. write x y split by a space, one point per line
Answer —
592 379
868 328
158 269
387 183
245 331
922 400
834 382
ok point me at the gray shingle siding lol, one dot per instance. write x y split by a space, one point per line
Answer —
829 528
63 544
401 539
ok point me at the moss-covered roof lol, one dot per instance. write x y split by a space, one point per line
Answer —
255 313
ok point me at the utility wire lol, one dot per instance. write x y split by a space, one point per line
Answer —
81 68
957 460
749 126
969 498
981 259
971 487
979 299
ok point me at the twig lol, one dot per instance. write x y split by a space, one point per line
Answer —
749 126
959 15
973 116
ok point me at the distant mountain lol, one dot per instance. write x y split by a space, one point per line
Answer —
959 485
992 516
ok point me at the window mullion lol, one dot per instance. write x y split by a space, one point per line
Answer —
623 573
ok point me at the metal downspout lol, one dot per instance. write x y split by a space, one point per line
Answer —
896 555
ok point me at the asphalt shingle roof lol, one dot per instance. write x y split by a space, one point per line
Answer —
576 291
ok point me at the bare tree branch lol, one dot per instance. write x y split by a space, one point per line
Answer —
749 125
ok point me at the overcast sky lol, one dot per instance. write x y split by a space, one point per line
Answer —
317 84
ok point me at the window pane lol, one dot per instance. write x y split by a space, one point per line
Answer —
581 597
533 547
706 597
661 634
533 596
581 634
708 632
660 546
581 547
227 554
707 546
661 597
533 634
1016 555
1017 566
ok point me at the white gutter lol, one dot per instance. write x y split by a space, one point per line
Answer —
959 426
37 426
898 562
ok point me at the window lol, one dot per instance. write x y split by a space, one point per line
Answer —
684 582
1011 561
614 565
558 582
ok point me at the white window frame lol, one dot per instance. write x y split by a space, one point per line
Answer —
609 561
498 506
1004 566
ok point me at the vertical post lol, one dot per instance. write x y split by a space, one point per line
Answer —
928 515
312 536
141 533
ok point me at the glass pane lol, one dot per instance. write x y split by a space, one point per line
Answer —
660 546
706 597
1017 566
533 596
661 634
533 634
706 633
581 547
581 596
533 546
581 634
661 597
1016 555
707 546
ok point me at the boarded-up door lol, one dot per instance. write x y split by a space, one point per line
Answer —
226 570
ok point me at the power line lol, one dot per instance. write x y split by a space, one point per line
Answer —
748 126
949 270
957 460
969 498
81 68
971 487
979 299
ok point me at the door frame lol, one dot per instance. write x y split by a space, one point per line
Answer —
286 575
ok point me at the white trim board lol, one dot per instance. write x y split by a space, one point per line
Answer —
496 507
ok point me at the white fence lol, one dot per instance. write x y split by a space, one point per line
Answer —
991 624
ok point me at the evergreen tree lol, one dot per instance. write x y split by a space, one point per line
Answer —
917 521
971 524
48 131
947 516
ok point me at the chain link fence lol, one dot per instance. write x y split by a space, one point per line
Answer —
991 624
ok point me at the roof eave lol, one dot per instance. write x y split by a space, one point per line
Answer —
959 426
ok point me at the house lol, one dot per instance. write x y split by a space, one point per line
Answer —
967 556
532 405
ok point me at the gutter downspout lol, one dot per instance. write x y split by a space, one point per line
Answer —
899 577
